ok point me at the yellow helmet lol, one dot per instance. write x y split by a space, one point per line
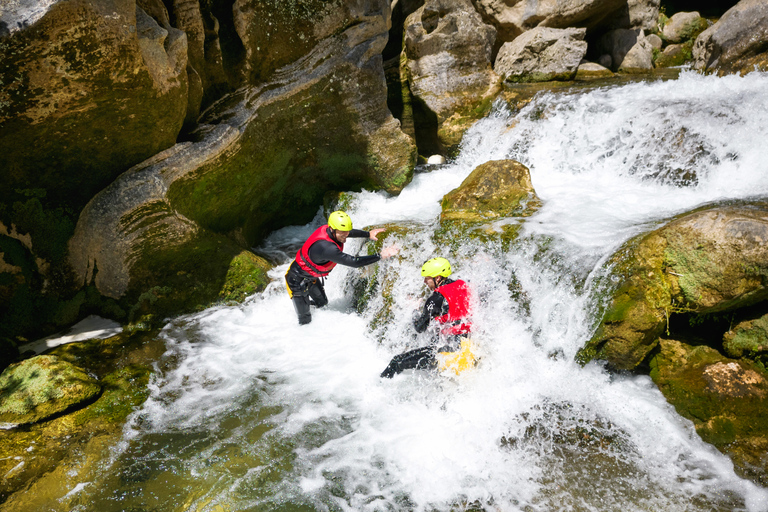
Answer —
436 267
340 220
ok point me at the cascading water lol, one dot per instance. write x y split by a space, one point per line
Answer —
250 411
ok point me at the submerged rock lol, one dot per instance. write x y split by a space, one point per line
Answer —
737 43
704 262
43 386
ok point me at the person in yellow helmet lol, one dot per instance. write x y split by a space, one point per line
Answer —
449 309
322 251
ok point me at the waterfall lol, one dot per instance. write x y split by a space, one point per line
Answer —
250 411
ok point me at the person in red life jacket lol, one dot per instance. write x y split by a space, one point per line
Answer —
322 251
448 307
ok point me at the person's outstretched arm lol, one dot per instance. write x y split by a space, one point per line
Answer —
432 308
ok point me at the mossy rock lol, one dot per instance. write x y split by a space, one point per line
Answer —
495 189
674 55
726 399
747 339
41 387
705 262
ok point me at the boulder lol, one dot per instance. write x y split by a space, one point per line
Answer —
448 52
725 399
748 338
591 70
542 54
737 43
495 189
674 55
72 76
656 42
630 51
704 262
43 386
683 26
512 18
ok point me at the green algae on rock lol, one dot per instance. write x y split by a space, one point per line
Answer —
708 261
748 338
725 398
43 386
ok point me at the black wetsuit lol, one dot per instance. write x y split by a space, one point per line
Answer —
423 358
307 290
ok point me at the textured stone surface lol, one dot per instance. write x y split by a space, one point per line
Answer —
542 54
40 387
705 262
448 50
737 43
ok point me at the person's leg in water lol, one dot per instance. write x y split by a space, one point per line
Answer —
305 292
418 359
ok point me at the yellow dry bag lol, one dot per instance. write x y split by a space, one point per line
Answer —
459 360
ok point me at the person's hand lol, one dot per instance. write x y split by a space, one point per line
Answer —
374 233
390 251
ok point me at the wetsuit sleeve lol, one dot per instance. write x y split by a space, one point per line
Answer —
359 233
322 252
434 307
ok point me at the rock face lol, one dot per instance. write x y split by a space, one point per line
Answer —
748 338
513 17
328 127
542 54
41 387
705 262
726 399
83 69
448 52
737 42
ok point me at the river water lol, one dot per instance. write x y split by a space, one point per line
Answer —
251 412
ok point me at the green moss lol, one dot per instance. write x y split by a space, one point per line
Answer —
207 269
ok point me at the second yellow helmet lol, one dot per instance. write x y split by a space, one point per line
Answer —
340 220
436 267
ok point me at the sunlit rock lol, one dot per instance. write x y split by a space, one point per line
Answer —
683 26
436 160
448 52
674 55
704 262
515 18
590 70
40 387
748 338
737 43
542 54
495 189
726 399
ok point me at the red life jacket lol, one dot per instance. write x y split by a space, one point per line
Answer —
458 296
302 255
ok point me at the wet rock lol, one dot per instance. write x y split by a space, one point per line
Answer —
542 54
495 189
630 51
43 386
748 338
704 262
726 400
448 53
683 26
590 70
737 43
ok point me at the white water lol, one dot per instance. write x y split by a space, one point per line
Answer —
253 412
